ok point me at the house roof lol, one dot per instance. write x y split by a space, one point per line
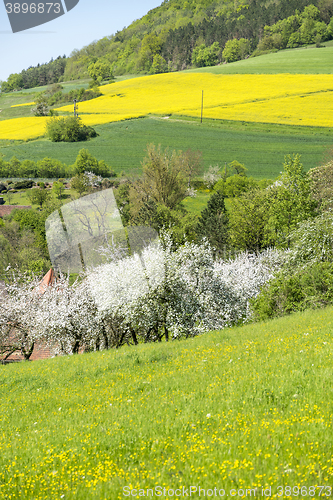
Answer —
48 280
7 209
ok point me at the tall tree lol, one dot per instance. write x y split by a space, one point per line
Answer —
248 218
213 222
163 180
291 202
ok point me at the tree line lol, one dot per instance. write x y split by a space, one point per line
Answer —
36 76
50 168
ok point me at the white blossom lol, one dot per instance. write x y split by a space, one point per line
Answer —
142 297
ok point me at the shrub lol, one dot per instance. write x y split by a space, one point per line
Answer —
69 129
50 168
41 108
23 184
235 185
286 293
86 162
312 241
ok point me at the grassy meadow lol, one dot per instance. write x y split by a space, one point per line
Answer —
21 197
303 60
241 408
123 144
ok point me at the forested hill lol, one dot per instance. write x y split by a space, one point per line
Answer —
183 33
164 39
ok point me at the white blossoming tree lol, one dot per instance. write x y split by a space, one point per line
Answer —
67 318
173 294
19 305
152 294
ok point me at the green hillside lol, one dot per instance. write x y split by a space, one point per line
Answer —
261 147
167 37
304 60
241 408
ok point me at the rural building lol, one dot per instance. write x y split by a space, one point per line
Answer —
40 351
7 209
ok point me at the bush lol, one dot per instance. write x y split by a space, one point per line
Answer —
235 185
312 241
86 162
23 184
69 129
50 168
287 293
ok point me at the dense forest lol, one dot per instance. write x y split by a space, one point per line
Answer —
42 74
181 34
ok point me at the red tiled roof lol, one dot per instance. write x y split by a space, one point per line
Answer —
7 209
40 351
48 280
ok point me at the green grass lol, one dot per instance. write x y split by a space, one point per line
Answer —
307 60
21 197
122 145
241 408
198 203
8 100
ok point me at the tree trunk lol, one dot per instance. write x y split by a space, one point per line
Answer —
28 353
76 347
166 332
98 344
135 340
106 340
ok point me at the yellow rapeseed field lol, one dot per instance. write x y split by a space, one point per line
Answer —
23 128
24 104
284 98
33 127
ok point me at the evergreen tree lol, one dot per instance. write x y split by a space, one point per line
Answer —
213 222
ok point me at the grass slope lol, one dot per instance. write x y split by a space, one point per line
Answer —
123 144
241 408
304 60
